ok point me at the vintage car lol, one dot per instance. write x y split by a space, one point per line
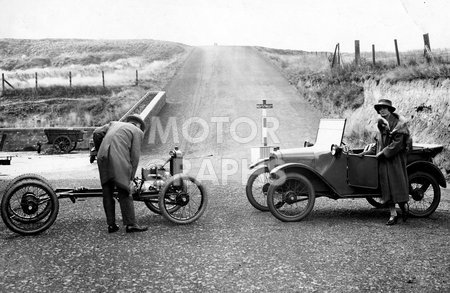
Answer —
288 181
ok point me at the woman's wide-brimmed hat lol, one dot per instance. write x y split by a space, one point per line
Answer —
384 103
136 118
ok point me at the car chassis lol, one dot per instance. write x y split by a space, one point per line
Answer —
30 205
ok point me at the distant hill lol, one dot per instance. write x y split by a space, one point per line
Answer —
23 53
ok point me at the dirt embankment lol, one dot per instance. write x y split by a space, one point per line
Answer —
426 103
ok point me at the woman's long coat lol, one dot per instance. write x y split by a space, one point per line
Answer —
119 152
392 173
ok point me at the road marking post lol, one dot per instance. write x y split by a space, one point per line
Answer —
263 151
264 106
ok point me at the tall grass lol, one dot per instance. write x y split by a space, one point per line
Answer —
119 72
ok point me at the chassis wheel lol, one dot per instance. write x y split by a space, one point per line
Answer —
63 143
183 199
257 186
291 200
376 202
29 206
24 177
153 205
424 194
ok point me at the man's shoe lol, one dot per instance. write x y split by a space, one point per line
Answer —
136 228
392 221
113 228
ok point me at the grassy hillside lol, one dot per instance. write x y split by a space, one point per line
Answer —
23 54
86 102
334 91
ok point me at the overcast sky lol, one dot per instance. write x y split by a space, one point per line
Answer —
313 25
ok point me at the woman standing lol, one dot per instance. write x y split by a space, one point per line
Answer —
392 144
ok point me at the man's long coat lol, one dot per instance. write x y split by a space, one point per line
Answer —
118 156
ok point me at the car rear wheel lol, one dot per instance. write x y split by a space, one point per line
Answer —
424 194
257 186
29 206
291 200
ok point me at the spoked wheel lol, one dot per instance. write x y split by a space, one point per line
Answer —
424 194
29 206
183 199
257 186
63 143
291 200
376 202
153 205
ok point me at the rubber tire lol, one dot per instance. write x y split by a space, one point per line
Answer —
436 195
154 208
310 205
249 188
26 176
10 192
167 213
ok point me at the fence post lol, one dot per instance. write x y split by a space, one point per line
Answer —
137 82
70 78
35 77
396 52
427 48
357 53
336 54
103 78
3 83
339 55
373 55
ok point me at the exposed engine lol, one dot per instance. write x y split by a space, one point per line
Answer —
155 175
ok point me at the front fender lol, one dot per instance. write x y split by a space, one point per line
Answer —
428 167
260 162
319 183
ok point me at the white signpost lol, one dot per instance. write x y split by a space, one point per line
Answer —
264 108
264 151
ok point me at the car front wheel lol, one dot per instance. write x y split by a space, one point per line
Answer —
257 186
291 200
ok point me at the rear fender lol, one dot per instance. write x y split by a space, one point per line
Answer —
320 184
429 168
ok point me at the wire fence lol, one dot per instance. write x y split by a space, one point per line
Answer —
37 81
406 58
440 56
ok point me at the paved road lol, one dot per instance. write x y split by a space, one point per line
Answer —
343 246
220 87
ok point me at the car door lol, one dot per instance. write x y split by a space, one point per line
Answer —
362 171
